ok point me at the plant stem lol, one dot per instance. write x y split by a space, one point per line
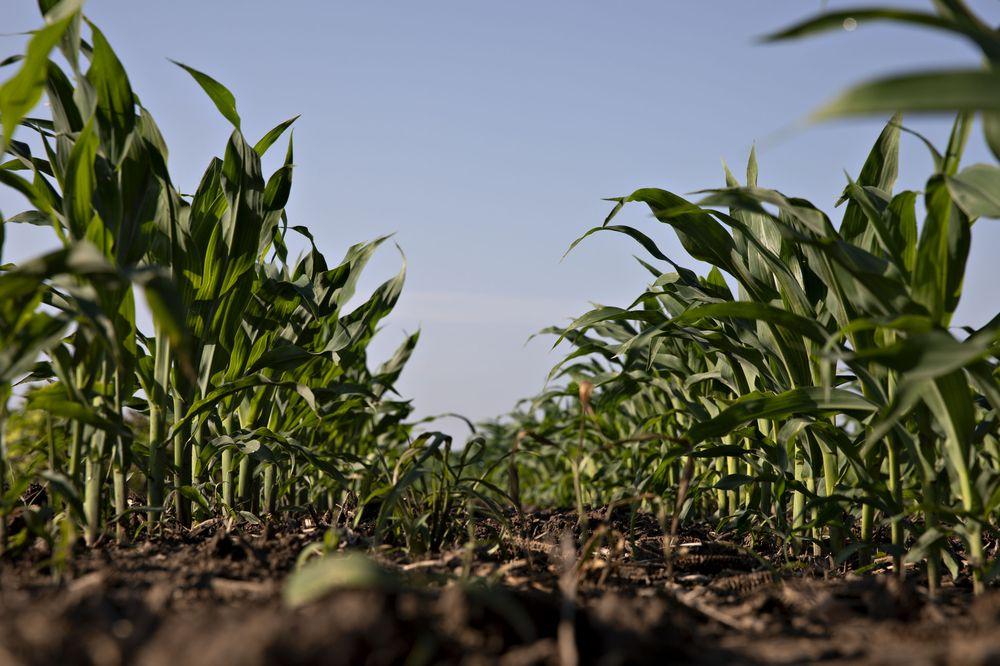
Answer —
182 469
75 447
196 460
157 406
76 441
896 491
227 477
830 474
798 506
243 481
732 463
121 502
92 498
227 464
269 489
3 467
720 494
121 464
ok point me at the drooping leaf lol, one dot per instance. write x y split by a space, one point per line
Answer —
20 93
224 100
925 92
976 190
801 401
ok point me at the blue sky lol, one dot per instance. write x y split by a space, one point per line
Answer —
485 134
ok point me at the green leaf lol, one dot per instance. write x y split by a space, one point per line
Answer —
80 183
807 328
195 495
733 481
941 253
879 171
827 21
59 405
924 92
64 487
285 357
976 190
218 93
20 93
34 217
115 111
214 397
319 577
991 130
268 139
757 405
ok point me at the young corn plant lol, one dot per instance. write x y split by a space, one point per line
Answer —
253 390
831 380
829 396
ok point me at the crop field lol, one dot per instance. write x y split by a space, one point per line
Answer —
792 456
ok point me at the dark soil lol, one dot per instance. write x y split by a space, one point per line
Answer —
544 595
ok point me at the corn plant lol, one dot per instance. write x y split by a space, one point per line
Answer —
829 391
253 390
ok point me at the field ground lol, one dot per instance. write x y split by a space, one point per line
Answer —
213 595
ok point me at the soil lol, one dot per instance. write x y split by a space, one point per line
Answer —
546 594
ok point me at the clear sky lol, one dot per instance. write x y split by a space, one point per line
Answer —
485 134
